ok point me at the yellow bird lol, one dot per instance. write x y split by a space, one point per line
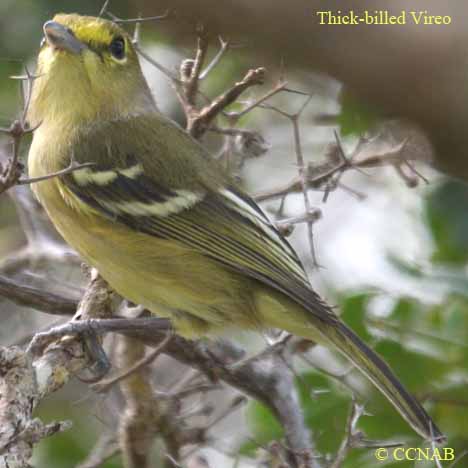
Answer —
159 219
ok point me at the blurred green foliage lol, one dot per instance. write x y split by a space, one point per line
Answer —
447 217
69 448
356 116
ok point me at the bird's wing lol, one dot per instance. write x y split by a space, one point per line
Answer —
220 222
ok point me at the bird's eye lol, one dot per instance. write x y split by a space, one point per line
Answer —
117 48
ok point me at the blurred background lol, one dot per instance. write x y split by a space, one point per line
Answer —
392 250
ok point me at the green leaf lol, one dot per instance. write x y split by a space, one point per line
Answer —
446 210
263 425
70 447
354 314
325 407
415 369
356 117
451 409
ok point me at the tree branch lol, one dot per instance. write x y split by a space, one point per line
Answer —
26 379
37 298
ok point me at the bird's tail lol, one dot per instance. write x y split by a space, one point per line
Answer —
380 374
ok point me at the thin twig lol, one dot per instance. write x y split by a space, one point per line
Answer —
143 19
105 448
303 176
172 76
279 87
68 170
216 59
105 385
104 8
460 457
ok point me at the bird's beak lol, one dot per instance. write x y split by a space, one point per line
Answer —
60 37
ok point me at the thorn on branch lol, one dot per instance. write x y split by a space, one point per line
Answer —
145 19
235 404
103 10
26 77
309 217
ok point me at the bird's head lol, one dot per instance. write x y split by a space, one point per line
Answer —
87 69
